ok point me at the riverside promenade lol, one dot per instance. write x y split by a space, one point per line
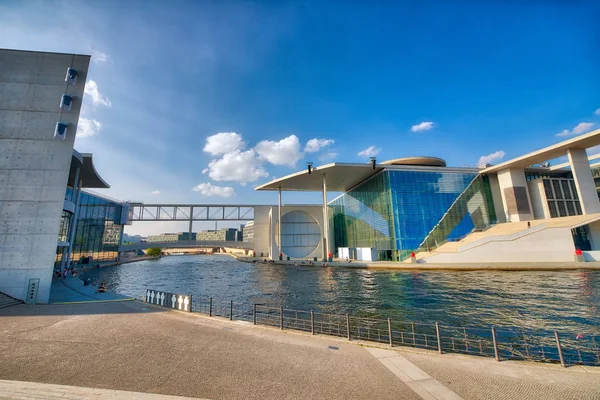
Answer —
99 349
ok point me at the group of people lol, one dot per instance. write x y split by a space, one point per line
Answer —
65 273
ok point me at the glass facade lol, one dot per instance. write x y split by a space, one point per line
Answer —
97 232
562 197
400 211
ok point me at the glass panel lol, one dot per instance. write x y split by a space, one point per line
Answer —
557 191
571 208
562 210
574 190
548 189
552 208
565 187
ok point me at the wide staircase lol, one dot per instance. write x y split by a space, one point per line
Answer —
508 231
7 301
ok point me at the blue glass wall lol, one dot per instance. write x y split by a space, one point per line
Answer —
97 233
395 211
420 199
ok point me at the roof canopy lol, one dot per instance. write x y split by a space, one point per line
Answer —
340 178
88 174
548 153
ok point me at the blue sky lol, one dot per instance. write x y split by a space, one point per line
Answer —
458 80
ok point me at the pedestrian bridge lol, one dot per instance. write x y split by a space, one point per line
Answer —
187 244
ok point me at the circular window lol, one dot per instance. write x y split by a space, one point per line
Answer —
300 235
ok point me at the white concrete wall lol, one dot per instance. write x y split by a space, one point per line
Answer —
497 198
508 178
584 182
551 244
539 202
34 166
264 233
594 229
262 230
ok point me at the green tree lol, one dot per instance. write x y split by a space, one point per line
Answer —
154 251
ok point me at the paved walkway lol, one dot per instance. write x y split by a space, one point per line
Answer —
33 390
137 347
72 290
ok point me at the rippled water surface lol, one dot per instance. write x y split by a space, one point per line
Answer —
550 300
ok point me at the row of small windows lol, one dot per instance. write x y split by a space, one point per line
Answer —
66 101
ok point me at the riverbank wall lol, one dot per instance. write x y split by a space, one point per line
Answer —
391 265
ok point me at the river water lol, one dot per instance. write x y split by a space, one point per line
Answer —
566 301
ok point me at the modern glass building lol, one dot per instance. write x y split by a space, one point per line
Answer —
91 225
398 210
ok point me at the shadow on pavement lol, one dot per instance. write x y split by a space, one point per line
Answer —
88 308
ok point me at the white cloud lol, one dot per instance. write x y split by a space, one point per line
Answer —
98 56
155 192
237 166
208 189
314 145
88 127
423 126
330 155
370 151
91 90
491 158
581 127
284 152
224 142
597 112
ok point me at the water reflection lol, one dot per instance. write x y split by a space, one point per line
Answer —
548 300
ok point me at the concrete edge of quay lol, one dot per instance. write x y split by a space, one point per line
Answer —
491 266
364 343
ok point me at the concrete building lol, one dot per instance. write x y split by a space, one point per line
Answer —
225 234
172 237
248 232
393 209
40 101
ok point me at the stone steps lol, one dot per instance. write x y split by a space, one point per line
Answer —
7 301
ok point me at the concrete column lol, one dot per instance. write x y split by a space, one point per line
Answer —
121 232
325 221
515 195
190 227
279 245
584 182
73 225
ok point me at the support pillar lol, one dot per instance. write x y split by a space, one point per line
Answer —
121 232
190 229
515 195
325 221
584 181
73 225
279 246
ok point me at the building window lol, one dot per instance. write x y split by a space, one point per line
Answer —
66 102
552 208
71 76
557 192
566 190
60 132
548 189
574 190
300 235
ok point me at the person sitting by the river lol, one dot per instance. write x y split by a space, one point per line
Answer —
102 288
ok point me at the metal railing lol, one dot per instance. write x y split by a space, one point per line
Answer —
502 343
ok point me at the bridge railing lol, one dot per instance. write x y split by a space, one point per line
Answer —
502 342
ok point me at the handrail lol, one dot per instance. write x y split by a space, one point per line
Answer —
502 238
500 342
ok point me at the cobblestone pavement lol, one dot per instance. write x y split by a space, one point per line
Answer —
483 378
